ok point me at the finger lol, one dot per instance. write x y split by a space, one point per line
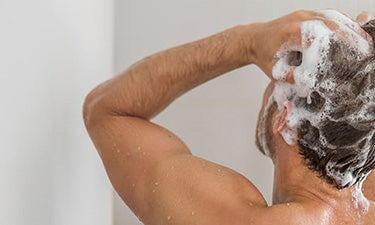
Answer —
363 18
347 15
290 76
343 34
283 73
335 20
331 24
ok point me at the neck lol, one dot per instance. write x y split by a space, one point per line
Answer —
369 187
294 182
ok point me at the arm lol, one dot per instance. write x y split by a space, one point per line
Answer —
145 161
151 169
151 84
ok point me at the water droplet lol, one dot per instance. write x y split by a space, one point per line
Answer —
250 204
139 148
156 183
153 190
133 185
118 150
288 204
169 218
193 213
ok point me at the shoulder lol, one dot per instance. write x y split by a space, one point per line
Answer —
190 190
293 213
185 189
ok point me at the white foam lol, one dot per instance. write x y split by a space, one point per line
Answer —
342 178
350 28
281 67
316 41
360 201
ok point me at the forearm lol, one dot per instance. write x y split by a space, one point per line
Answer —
151 84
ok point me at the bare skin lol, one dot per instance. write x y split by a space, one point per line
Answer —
155 173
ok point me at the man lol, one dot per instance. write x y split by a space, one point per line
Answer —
163 183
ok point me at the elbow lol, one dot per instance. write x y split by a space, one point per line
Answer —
88 109
98 105
103 101
93 108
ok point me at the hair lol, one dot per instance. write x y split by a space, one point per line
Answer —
342 147
263 130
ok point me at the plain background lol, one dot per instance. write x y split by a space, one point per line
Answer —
52 52
217 120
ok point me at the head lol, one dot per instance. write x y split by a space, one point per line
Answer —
336 134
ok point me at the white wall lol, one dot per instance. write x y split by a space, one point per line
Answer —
52 52
216 120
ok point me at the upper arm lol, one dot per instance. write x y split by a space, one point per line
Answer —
157 177
130 147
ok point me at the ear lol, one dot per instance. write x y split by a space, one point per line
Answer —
280 124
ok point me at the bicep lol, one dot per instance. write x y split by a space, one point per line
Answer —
130 147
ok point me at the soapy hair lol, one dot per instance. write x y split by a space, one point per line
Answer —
340 146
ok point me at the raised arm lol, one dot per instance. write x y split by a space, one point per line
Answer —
137 153
151 169
151 84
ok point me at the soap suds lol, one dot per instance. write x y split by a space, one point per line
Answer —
317 96
350 28
359 200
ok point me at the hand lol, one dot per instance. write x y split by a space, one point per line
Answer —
363 18
271 36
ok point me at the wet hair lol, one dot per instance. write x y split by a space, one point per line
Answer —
264 126
341 147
